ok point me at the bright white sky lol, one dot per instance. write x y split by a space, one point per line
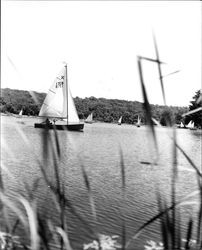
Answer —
100 42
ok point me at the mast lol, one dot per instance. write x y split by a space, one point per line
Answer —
66 89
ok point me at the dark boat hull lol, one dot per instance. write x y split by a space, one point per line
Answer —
88 122
73 127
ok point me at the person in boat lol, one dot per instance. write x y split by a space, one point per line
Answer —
48 122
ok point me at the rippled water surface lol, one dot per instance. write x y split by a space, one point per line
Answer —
98 149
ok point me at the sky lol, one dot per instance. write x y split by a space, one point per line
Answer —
100 42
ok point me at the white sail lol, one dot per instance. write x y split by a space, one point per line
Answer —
120 120
20 113
189 125
72 113
55 104
59 102
138 121
181 125
156 122
89 118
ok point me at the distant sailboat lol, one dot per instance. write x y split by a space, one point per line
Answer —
20 113
138 122
157 123
191 125
120 120
182 125
59 106
89 119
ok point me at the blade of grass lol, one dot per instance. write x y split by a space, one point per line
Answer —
146 104
192 111
189 234
15 226
199 226
173 189
8 203
90 196
163 224
64 237
159 69
123 176
123 186
33 225
57 142
150 59
91 200
44 232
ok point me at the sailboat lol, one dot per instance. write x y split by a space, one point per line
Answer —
191 125
138 121
89 119
20 113
157 123
58 108
182 125
120 120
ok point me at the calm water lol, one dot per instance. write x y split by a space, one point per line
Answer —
98 149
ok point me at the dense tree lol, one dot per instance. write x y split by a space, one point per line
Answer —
107 110
196 102
167 117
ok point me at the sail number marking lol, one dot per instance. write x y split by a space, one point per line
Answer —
60 83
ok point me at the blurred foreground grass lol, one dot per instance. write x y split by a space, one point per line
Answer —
46 234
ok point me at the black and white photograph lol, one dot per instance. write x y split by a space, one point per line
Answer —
101 125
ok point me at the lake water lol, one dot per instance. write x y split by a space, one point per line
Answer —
98 150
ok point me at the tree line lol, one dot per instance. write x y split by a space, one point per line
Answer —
104 110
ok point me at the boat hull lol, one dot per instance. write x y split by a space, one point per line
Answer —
88 122
73 127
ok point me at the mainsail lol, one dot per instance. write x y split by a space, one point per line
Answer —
59 102
120 120
138 121
189 125
89 118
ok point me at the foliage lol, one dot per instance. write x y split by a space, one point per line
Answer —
12 101
167 117
104 110
195 103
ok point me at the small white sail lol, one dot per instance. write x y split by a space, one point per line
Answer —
181 125
156 122
138 121
189 125
89 118
20 113
120 120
